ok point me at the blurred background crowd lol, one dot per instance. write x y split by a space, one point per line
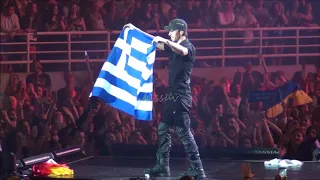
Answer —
35 119
95 15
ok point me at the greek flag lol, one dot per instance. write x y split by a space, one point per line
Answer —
125 80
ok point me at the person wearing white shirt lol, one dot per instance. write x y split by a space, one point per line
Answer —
247 20
164 7
227 17
9 21
9 24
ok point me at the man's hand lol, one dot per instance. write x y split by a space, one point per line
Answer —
158 39
131 26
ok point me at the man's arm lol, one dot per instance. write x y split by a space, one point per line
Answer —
177 48
161 42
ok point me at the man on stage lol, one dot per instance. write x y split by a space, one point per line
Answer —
176 111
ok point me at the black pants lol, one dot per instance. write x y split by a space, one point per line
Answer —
181 123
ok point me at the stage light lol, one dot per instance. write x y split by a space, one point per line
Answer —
68 151
37 159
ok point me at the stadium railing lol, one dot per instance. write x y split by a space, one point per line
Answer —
221 45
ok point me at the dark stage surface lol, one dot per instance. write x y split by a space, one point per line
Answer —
125 168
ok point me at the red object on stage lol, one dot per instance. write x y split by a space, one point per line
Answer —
51 168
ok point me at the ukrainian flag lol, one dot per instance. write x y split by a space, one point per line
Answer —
291 95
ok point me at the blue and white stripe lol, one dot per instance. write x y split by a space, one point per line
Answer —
125 80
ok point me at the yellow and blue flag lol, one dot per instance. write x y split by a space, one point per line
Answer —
289 95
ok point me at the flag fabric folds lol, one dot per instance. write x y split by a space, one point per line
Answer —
290 95
125 80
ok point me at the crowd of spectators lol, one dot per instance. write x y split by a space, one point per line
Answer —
35 120
32 16
97 15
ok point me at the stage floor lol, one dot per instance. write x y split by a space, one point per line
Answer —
124 168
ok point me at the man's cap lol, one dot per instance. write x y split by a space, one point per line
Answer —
177 24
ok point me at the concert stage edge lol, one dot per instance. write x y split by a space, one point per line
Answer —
136 154
129 163
207 153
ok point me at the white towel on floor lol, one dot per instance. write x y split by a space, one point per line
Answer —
283 163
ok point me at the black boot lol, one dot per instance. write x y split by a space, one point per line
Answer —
161 169
191 148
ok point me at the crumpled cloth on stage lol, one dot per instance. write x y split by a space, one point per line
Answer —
283 163
52 169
